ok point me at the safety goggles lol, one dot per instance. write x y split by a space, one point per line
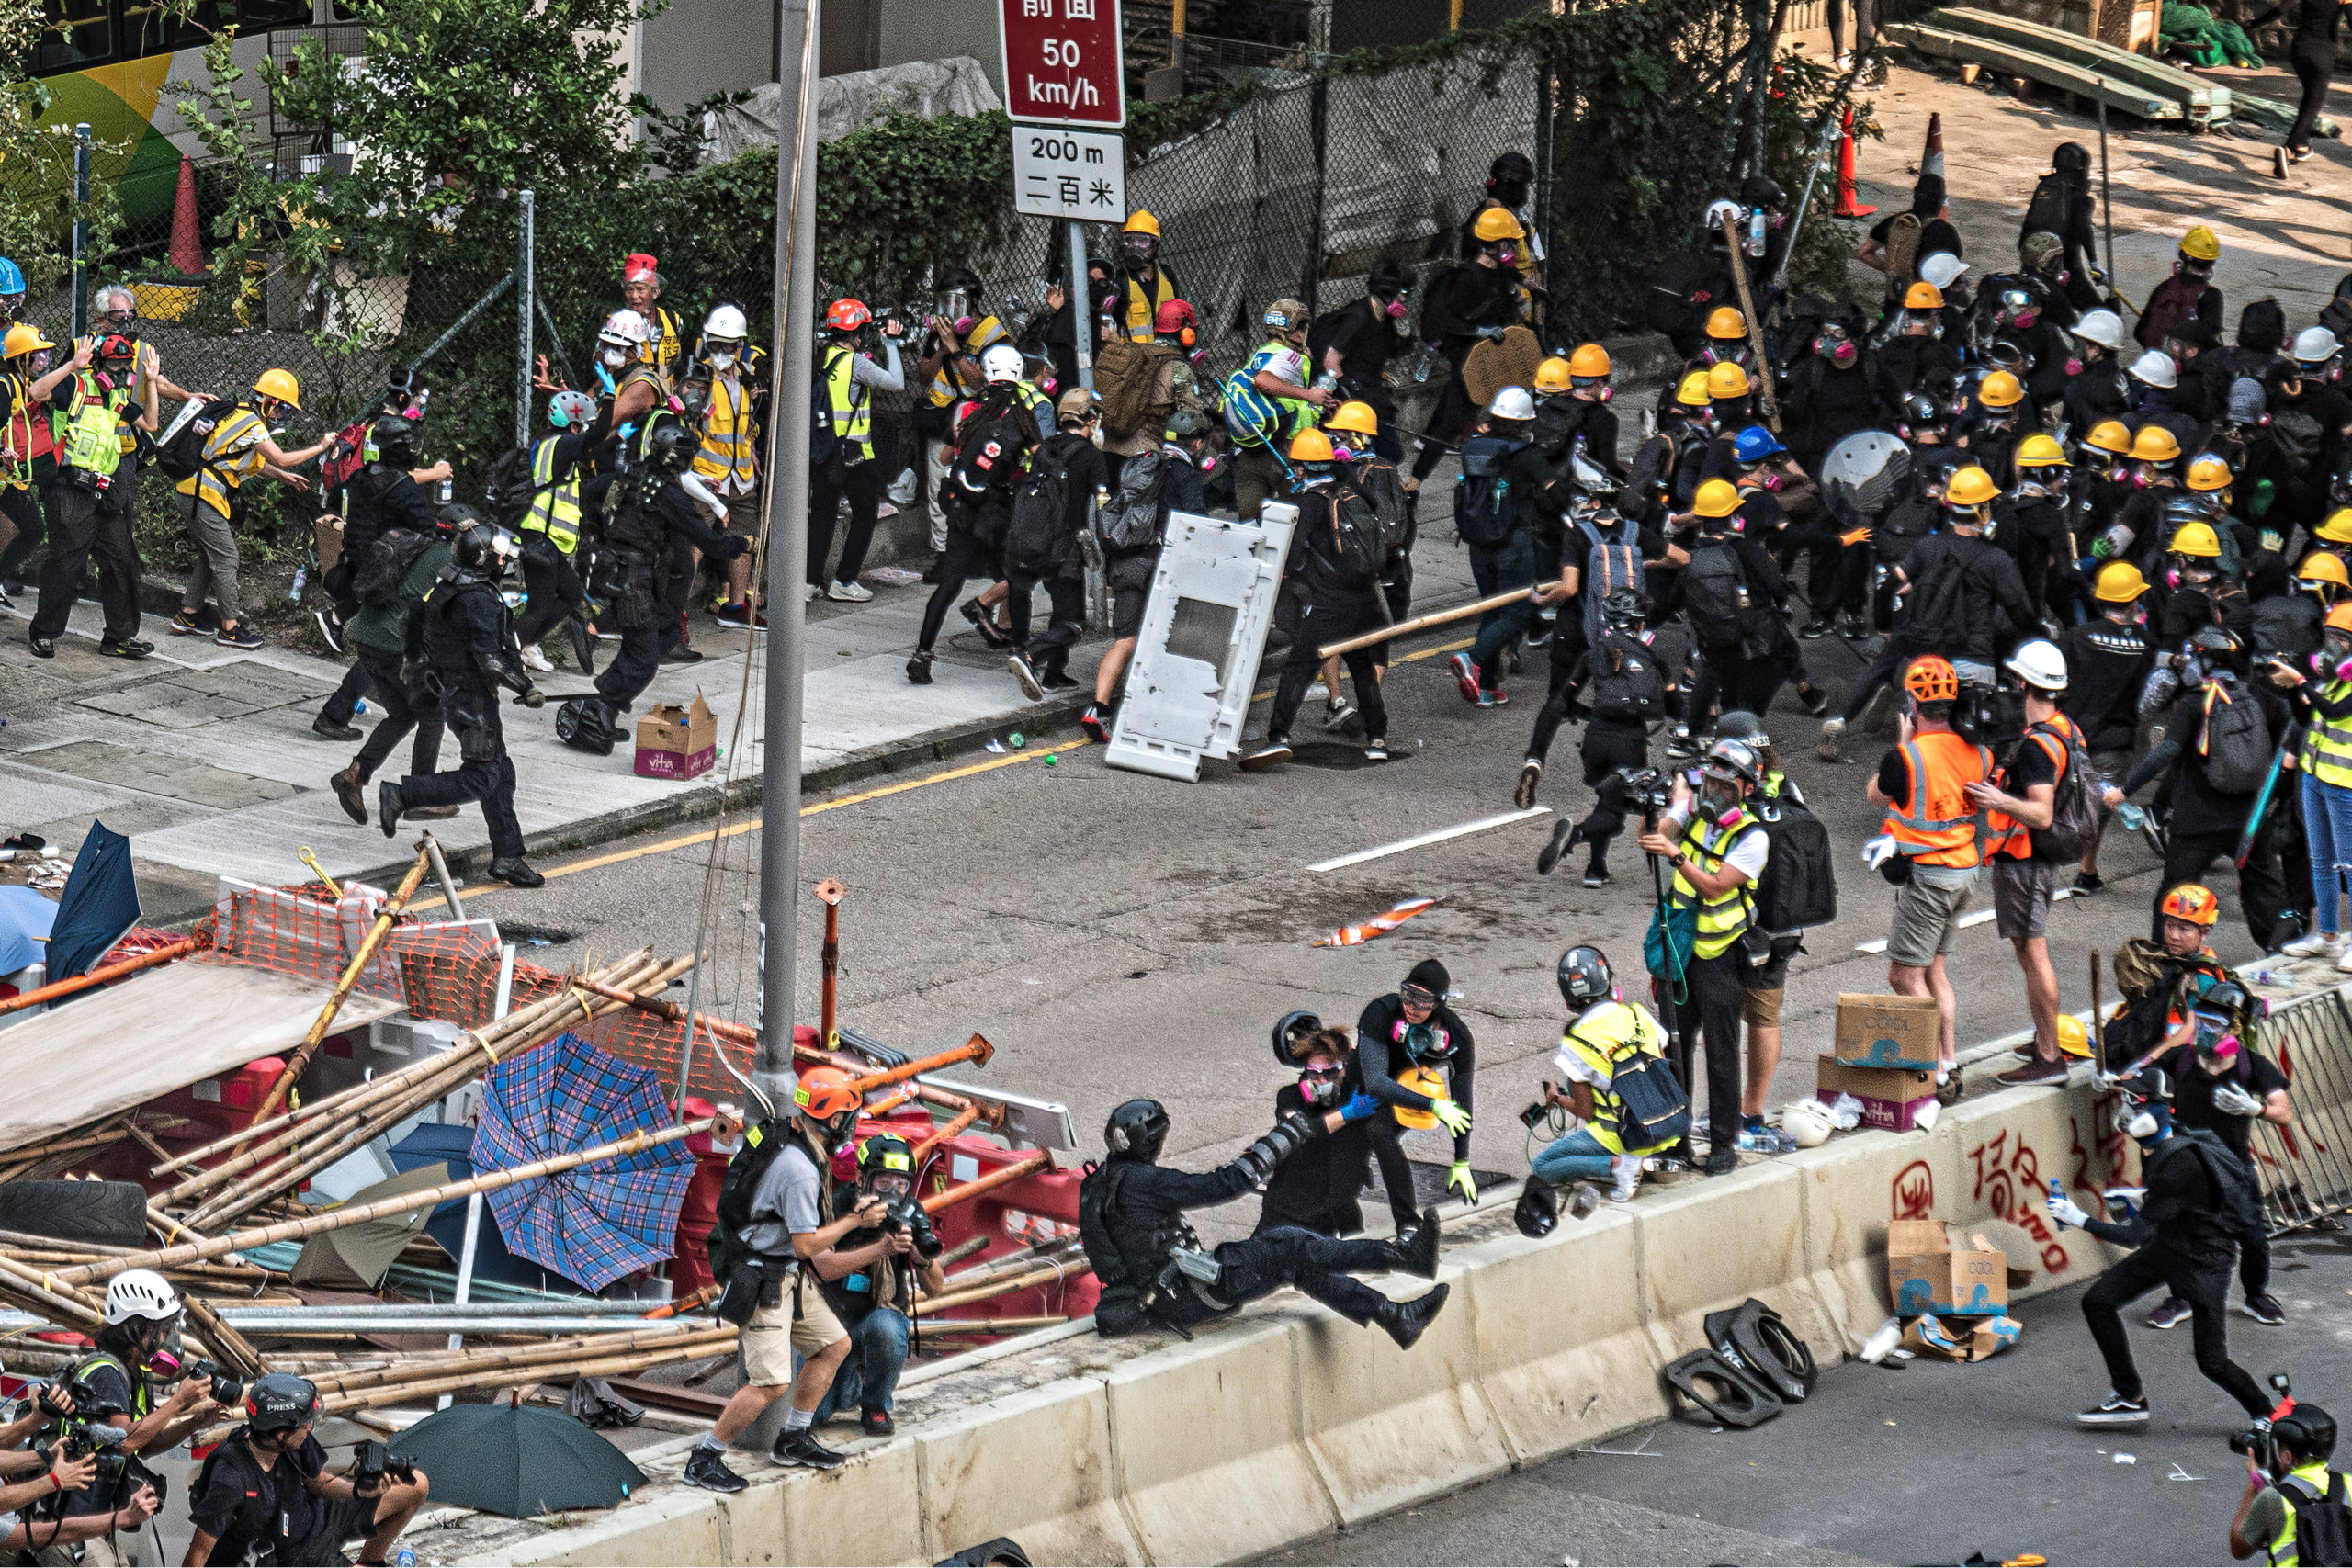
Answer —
2216 1035
2016 298
1420 997
889 1185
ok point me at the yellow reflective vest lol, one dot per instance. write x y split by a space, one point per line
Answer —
2327 750
1605 1037
2311 1480
232 455
729 451
1721 918
852 410
555 503
89 434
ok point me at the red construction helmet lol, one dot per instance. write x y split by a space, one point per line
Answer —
824 1093
116 346
847 315
2193 902
636 266
1174 313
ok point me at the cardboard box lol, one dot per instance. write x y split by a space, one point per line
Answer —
1887 1031
1925 1273
1892 1097
1968 1339
677 743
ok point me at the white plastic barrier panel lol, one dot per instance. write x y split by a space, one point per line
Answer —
1196 659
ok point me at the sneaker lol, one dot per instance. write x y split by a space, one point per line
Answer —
1530 774
1096 722
238 636
1832 731
43 647
2088 882
1274 753
1492 699
1626 1172
536 660
1596 876
1465 677
849 592
330 627
811 593
1681 744
1722 1161
1817 627
707 1468
2035 1072
2265 1309
1375 750
734 617
1339 713
2344 962
918 669
2312 945
2115 1411
388 806
1057 681
1815 700
1563 837
1949 1091
682 654
802 1449
877 1423
326 728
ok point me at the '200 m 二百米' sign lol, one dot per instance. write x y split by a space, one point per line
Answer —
1063 63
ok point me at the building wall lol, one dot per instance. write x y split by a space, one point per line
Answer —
935 29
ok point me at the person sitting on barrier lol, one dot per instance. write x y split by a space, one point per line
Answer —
2222 1084
1607 1039
1155 1273
263 1495
2289 1490
2198 1198
2159 981
1316 1188
868 1279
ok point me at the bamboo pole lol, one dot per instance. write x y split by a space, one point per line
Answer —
1042 1161
1423 623
1042 1275
431 1197
393 911
963 1249
667 1340
226 1342
300 1112
1766 398
66 987
956 1328
489 1377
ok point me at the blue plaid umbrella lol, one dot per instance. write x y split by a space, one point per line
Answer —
593 1223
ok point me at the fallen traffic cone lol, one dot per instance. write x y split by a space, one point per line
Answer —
1931 162
1848 204
188 253
1378 926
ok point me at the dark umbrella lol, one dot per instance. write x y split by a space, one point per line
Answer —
357 1256
100 903
516 1460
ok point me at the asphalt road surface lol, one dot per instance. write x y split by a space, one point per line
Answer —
1925 1465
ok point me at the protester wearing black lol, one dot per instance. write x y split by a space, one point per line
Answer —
1359 339
2210 810
2062 205
2313 55
1155 1272
402 570
993 441
1410 1027
2211 1093
1070 454
1336 565
463 642
381 497
1934 231
263 1495
1474 300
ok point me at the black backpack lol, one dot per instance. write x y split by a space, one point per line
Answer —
2074 809
2298 437
733 1266
1627 682
2324 1525
1035 539
181 456
2287 624
826 448
1714 590
1356 556
2237 743
1799 888
1139 509
1653 1108
377 581
988 458
1120 1309
1484 512
2046 213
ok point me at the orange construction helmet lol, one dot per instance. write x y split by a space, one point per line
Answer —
2339 619
824 1093
1923 297
847 315
1590 360
2209 472
2193 902
1930 679
1725 321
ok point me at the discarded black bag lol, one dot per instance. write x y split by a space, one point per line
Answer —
1536 1212
593 1403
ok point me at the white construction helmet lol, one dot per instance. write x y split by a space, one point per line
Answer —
1512 402
2156 369
1808 1121
626 326
2104 328
141 1292
724 321
1719 210
1001 363
2315 345
2039 663
1942 268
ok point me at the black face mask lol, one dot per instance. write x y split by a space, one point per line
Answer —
1510 193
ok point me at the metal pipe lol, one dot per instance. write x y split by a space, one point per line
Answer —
56 989
955 1128
976 1049
525 294
458 1324
81 240
829 893
441 865
1040 1161
1082 305
479 306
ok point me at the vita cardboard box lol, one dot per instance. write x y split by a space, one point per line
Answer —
677 743
1892 1097
1886 1031
1925 1274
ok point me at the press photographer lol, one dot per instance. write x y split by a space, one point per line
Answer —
33 1527
2294 1509
869 1278
263 1495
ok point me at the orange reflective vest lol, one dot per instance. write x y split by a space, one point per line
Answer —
2004 835
1937 827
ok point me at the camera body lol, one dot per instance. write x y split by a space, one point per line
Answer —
907 1214
227 1387
2259 1442
372 1462
1648 791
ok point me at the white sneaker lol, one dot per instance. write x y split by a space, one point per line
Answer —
1627 1171
811 593
533 660
2313 945
2344 962
850 592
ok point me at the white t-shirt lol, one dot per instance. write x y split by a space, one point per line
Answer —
1749 851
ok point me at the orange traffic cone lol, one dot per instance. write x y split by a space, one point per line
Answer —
1931 162
187 253
1848 206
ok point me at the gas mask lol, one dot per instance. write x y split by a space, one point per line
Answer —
1397 310
841 1130
694 399
1720 799
1344 454
1767 480
1843 353
2052 491
40 364
1138 249
612 355
1320 1087
2147 1121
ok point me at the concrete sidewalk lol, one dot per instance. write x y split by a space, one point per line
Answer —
204 757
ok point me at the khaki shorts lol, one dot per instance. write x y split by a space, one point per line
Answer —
1761 1009
1926 919
775 1333
2021 890
746 514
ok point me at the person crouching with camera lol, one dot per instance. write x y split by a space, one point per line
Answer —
868 1279
2293 1507
33 1527
263 1495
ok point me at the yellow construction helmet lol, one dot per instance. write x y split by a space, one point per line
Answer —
2110 436
1497 223
280 385
1424 1081
2339 618
1551 376
1972 486
1590 361
2073 1040
1727 381
1356 416
2322 567
2209 472
2118 582
1923 296
1724 322
1692 393
1717 497
2337 529
1311 445
2196 539
2000 390
1141 222
23 338
2154 444
2200 245
2040 451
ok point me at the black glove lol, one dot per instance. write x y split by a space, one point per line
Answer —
532 697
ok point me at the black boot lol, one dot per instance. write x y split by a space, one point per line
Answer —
515 871
388 806
584 647
1415 1250
918 669
1406 1320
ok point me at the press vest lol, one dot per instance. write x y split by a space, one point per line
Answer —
1723 917
1256 418
89 436
142 1400
2327 750
1606 1035
730 439
1941 828
555 503
2005 834
232 455
1143 309
2311 1478
1040 406
852 410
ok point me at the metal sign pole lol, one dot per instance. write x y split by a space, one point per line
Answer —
81 228
1081 305
525 293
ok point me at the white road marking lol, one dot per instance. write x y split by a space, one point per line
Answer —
1438 836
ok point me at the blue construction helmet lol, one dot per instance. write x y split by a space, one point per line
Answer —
12 277
1755 444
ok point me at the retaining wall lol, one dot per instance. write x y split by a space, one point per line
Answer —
1286 1422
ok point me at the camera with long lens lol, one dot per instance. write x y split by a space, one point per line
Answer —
1987 715
2259 1442
227 1387
372 1462
1647 791
906 1214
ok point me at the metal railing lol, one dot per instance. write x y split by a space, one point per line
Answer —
2305 1167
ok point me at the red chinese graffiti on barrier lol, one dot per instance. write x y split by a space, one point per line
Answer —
1912 1194
2008 1181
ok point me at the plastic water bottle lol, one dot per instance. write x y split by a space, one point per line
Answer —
405 1556
359 707
2131 817
1427 362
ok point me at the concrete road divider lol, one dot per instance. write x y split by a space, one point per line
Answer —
1037 1465
806 1516
656 1527
2011 1146
1851 1187
1713 1244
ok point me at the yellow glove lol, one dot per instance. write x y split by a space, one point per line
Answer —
1459 1179
1450 1117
